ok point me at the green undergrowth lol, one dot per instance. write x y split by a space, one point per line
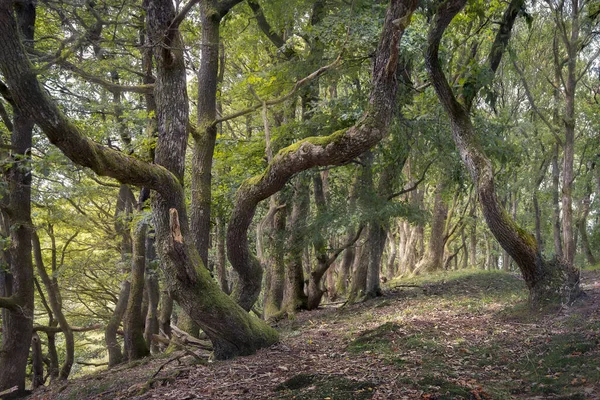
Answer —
566 362
320 386
595 267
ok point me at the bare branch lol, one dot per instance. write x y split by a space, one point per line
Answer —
281 99
414 185
553 129
183 13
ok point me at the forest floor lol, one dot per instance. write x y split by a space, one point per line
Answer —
456 335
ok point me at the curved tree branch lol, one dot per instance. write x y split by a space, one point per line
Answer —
269 32
9 303
334 149
28 94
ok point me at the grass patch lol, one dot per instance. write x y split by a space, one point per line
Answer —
473 286
564 364
316 386
443 389
379 339
390 338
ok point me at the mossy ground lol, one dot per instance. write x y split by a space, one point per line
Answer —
316 386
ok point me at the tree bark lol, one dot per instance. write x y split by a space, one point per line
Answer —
294 297
124 210
166 309
543 279
37 362
392 262
358 284
433 260
276 283
345 267
133 323
571 44
17 284
317 151
222 256
582 226
211 14
151 327
115 356
558 249
377 240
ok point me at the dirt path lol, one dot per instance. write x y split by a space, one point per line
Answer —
465 335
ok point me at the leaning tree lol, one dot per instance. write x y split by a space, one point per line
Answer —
545 279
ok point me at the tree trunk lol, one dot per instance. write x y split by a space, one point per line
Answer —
582 226
275 285
211 14
473 236
115 356
17 283
348 258
222 256
166 309
543 279
377 240
124 209
204 140
572 45
133 324
358 284
433 260
151 327
294 296
52 356
335 149
314 289
231 330
558 250
392 261
37 362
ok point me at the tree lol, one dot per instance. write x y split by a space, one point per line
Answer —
232 331
544 279
17 283
334 149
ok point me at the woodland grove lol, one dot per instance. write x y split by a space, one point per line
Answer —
201 170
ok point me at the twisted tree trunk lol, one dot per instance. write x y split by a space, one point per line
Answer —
335 149
54 297
544 279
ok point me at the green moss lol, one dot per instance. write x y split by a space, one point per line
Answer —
378 339
315 140
317 386
525 236
252 181
446 389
